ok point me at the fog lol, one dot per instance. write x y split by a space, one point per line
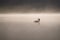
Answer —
23 27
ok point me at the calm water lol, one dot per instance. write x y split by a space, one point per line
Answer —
22 27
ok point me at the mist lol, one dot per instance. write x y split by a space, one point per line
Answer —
9 6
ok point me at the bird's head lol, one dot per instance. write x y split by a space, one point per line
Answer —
38 18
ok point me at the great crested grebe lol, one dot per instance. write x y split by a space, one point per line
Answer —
37 21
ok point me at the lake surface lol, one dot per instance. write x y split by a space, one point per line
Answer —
22 27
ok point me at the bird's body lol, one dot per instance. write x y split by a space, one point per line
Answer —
37 21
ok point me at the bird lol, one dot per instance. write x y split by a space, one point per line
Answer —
37 21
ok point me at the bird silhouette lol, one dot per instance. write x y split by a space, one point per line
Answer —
37 21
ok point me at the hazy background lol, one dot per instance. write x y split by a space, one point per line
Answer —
25 6
17 19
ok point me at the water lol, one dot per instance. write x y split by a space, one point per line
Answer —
17 27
